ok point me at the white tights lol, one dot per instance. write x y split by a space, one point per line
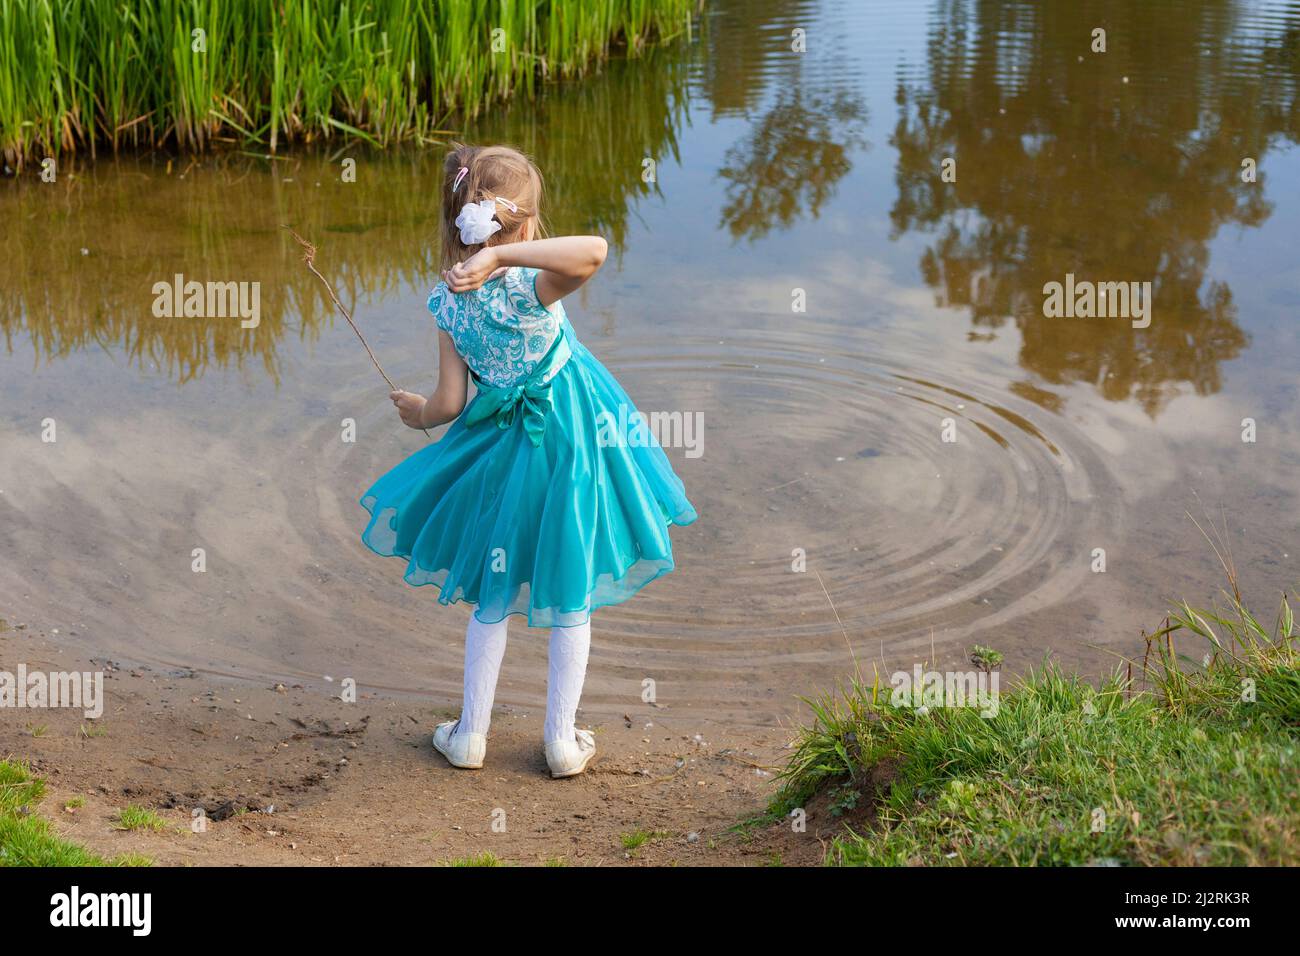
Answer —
485 646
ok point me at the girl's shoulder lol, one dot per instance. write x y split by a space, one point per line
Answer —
514 291
517 278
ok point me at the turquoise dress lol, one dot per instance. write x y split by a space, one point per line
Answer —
546 497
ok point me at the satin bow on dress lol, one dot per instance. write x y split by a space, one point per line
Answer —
528 401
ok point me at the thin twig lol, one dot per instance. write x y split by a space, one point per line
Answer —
309 257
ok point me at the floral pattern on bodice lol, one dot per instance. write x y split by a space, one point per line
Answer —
501 329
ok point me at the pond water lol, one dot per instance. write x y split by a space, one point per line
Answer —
781 178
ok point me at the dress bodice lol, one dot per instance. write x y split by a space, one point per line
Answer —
501 329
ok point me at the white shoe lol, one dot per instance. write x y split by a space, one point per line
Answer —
461 750
568 758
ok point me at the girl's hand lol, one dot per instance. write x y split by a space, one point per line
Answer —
473 272
410 406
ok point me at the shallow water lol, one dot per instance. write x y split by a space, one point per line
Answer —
823 429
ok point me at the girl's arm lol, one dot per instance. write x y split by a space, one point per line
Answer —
447 400
566 262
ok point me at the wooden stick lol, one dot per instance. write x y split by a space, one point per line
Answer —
309 257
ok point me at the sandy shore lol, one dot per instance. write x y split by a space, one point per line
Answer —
287 775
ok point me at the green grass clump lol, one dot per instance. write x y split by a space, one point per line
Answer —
86 74
27 839
139 818
486 858
1175 760
638 838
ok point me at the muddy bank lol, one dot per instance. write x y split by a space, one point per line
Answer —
289 776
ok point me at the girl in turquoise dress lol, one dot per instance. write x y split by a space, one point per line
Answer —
533 502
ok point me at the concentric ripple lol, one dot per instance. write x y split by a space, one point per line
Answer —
836 525
834 516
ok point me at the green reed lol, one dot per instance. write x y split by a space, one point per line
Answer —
144 218
80 75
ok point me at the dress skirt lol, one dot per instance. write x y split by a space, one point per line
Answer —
544 499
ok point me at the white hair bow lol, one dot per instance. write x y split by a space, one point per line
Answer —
475 220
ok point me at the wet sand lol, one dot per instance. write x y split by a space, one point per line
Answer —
286 776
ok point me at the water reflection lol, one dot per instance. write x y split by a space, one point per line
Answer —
748 51
805 113
86 250
591 139
1117 166
788 164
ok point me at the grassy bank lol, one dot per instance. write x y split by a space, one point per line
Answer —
1186 756
95 74
26 838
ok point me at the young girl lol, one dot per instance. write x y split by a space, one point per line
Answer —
533 502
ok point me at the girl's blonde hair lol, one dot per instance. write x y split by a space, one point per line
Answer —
491 171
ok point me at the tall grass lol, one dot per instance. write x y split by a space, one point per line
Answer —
85 74
1185 757
144 218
